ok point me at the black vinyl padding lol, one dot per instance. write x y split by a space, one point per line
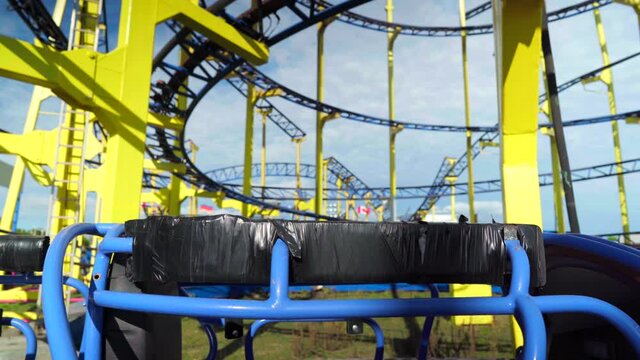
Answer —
23 253
228 249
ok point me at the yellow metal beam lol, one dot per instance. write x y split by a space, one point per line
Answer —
518 46
607 78
319 203
467 113
34 146
248 145
164 121
392 35
17 176
518 26
215 28
263 150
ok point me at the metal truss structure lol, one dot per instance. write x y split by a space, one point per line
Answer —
213 46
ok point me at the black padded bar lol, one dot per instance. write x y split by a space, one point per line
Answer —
227 249
23 253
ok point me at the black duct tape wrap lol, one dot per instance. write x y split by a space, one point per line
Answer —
227 249
22 253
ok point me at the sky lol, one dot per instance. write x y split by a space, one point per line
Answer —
428 89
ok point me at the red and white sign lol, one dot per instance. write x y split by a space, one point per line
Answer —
363 210
206 209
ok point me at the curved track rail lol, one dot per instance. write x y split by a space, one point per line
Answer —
230 174
447 31
210 65
169 145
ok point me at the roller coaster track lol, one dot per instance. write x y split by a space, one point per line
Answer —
284 169
447 168
38 19
249 74
353 186
209 65
222 66
446 31
478 10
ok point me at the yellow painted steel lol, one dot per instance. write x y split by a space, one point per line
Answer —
115 85
174 199
392 35
248 145
263 150
68 168
321 118
253 96
297 202
17 176
517 25
466 290
606 76
451 179
467 113
193 200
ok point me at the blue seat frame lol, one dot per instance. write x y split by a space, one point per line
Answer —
26 330
527 309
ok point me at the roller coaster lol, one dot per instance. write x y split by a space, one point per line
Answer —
121 133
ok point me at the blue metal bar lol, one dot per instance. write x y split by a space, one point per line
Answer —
553 304
279 307
29 334
610 250
55 314
93 325
213 341
253 331
307 309
423 350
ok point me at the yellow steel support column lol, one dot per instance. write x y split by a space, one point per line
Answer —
392 35
174 199
298 142
248 145
321 118
125 146
607 78
517 25
263 150
467 113
193 200
325 180
452 183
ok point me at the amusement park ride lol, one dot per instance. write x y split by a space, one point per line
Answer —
122 113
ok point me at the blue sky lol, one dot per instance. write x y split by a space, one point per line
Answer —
428 89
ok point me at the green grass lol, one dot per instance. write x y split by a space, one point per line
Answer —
329 340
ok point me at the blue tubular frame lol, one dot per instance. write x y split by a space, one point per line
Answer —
423 350
213 341
253 331
279 307
31 279
29 334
